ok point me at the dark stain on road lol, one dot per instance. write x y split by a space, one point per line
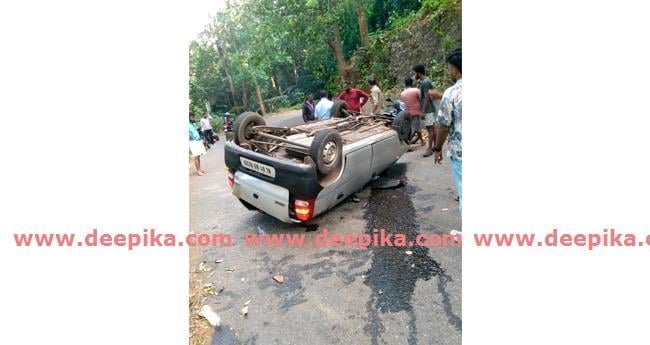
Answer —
310 227
454 320
393 274
223 335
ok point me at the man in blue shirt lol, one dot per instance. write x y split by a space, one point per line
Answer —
324 106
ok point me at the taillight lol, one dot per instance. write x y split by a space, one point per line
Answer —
231 179
304 209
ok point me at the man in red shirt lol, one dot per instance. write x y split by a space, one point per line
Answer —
354 97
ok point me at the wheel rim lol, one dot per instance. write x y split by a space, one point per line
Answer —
248 131
330 152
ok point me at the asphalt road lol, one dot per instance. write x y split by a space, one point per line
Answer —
335 295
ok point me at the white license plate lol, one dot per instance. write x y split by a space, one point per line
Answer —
257 167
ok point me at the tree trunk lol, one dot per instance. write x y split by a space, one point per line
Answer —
258 92
244 94
226 69
363 25
295 71
335 43
276 84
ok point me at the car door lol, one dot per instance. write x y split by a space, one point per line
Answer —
384 153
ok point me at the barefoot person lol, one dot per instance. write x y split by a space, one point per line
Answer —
196 145
450 121
426 105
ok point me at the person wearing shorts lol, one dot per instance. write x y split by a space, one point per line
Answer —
427 106
197 149
411 98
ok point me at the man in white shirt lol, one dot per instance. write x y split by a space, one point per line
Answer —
324 106
206 128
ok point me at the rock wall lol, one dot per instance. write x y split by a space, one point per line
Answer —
426 41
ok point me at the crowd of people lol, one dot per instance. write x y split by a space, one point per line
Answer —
442 125
354 98
420 102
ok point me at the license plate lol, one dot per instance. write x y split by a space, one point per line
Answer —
257 167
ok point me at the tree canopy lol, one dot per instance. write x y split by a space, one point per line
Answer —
263 54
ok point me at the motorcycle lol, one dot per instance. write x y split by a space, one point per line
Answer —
227 129
393 108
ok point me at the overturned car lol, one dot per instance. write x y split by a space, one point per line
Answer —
296 173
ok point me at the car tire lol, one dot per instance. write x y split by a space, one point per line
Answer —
402 124
337 109
243 124
327 151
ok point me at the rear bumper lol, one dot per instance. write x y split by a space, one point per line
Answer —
300 180
265 196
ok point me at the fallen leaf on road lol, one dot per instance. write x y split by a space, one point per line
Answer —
247 302
244 311
445 209
279 278
218 261
228 269
209 289
408 252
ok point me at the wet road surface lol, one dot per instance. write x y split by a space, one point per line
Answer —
331 295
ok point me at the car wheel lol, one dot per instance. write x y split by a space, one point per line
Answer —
339 109
244 124
402 124
327 151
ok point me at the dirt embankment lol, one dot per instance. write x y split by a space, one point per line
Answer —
425 40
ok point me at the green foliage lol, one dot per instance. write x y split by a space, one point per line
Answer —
383 11
251 42
433 6
298 98
398 23
217 124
